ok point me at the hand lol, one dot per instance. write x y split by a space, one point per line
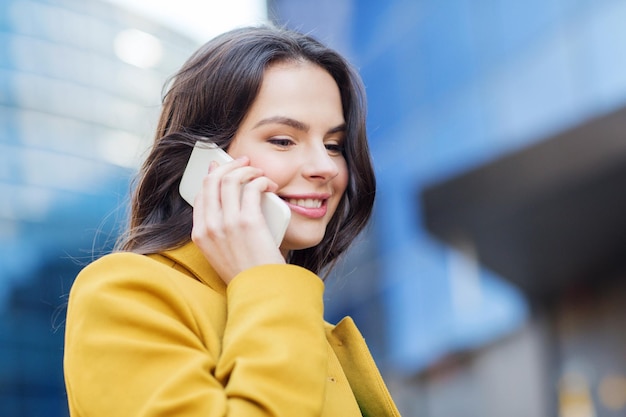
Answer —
228 225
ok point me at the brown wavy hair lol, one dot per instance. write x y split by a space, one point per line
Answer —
207 100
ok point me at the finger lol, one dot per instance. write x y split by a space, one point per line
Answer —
210 193
231 190
272 186
252 192
219 170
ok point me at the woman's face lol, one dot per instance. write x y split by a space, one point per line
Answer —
294 132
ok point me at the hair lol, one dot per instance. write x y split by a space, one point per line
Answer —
207 99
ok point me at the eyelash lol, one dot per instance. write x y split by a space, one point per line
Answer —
332 148
281 142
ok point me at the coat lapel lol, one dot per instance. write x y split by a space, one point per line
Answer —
360 369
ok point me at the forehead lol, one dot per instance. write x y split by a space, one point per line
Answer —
300 90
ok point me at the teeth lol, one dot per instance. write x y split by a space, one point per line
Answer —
307 203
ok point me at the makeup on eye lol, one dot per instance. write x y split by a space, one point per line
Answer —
334 149
281 142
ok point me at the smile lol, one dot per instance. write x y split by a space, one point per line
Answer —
306 202
309 206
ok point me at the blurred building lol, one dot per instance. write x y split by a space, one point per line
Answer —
489 283
80 84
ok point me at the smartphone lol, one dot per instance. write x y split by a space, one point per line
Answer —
275 211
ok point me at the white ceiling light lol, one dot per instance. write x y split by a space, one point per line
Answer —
200 20
138 48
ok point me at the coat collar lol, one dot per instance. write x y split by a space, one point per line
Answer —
190 258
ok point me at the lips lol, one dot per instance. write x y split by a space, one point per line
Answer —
313 207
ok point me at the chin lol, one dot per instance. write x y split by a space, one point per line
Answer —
300 242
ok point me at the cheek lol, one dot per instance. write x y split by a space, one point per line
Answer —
339 184
274 168
342 178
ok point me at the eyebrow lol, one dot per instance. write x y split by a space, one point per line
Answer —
341 128
296 124
284 121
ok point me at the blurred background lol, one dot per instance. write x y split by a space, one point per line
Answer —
491 280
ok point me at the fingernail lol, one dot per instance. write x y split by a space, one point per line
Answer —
212 166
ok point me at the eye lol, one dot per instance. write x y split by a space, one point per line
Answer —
334 149
281 142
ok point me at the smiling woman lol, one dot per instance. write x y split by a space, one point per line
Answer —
199 313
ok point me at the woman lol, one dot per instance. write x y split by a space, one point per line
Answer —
199 313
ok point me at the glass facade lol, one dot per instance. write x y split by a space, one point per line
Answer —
74 119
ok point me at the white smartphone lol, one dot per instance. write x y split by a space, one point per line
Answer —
276 212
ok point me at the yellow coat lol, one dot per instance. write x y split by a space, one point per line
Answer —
162 335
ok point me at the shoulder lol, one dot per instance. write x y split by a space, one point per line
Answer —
121 288
118 261
119 266
127 265
128 274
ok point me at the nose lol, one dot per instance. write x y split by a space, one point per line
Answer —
319 165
